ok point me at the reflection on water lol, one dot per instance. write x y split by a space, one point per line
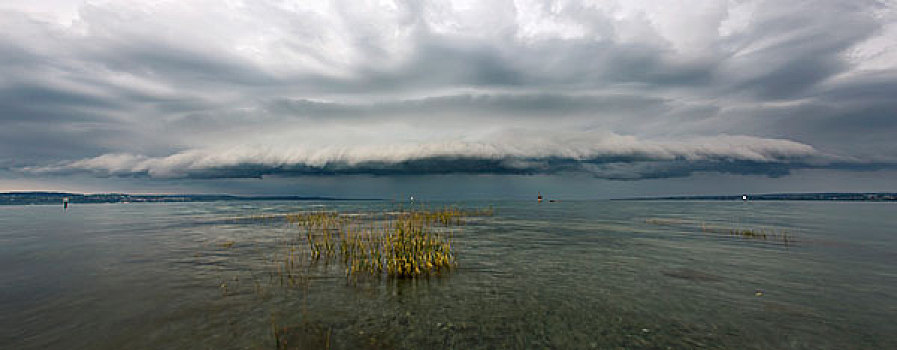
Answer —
591 274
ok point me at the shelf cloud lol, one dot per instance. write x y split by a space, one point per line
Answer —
603 155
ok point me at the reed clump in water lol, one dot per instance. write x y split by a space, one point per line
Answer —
765 234
399 244
446 216
320 230
405 247
404 244
664 221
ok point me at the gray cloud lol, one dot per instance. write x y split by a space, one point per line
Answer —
602 155
200 89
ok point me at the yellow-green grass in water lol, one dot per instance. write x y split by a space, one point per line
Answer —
400 244
406 244
766 234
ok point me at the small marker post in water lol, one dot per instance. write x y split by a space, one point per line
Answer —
744 197
65 203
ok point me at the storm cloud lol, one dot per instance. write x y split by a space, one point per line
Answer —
621 90
603 155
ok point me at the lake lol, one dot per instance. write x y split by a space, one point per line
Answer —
565 275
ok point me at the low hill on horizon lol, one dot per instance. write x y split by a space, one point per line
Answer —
818 196
42 197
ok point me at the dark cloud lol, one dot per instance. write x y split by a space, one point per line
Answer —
204 90
610 168
602 155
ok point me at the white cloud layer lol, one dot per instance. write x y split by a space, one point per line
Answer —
602 154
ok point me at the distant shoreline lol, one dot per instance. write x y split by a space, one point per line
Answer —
48 198
833 196
55 198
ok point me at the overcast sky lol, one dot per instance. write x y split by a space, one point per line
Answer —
448 98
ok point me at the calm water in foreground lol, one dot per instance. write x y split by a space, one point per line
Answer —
569 275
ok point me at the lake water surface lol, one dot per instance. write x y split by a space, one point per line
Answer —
567 275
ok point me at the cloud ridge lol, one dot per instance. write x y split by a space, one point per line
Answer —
604 155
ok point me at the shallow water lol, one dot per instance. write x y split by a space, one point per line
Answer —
579 274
